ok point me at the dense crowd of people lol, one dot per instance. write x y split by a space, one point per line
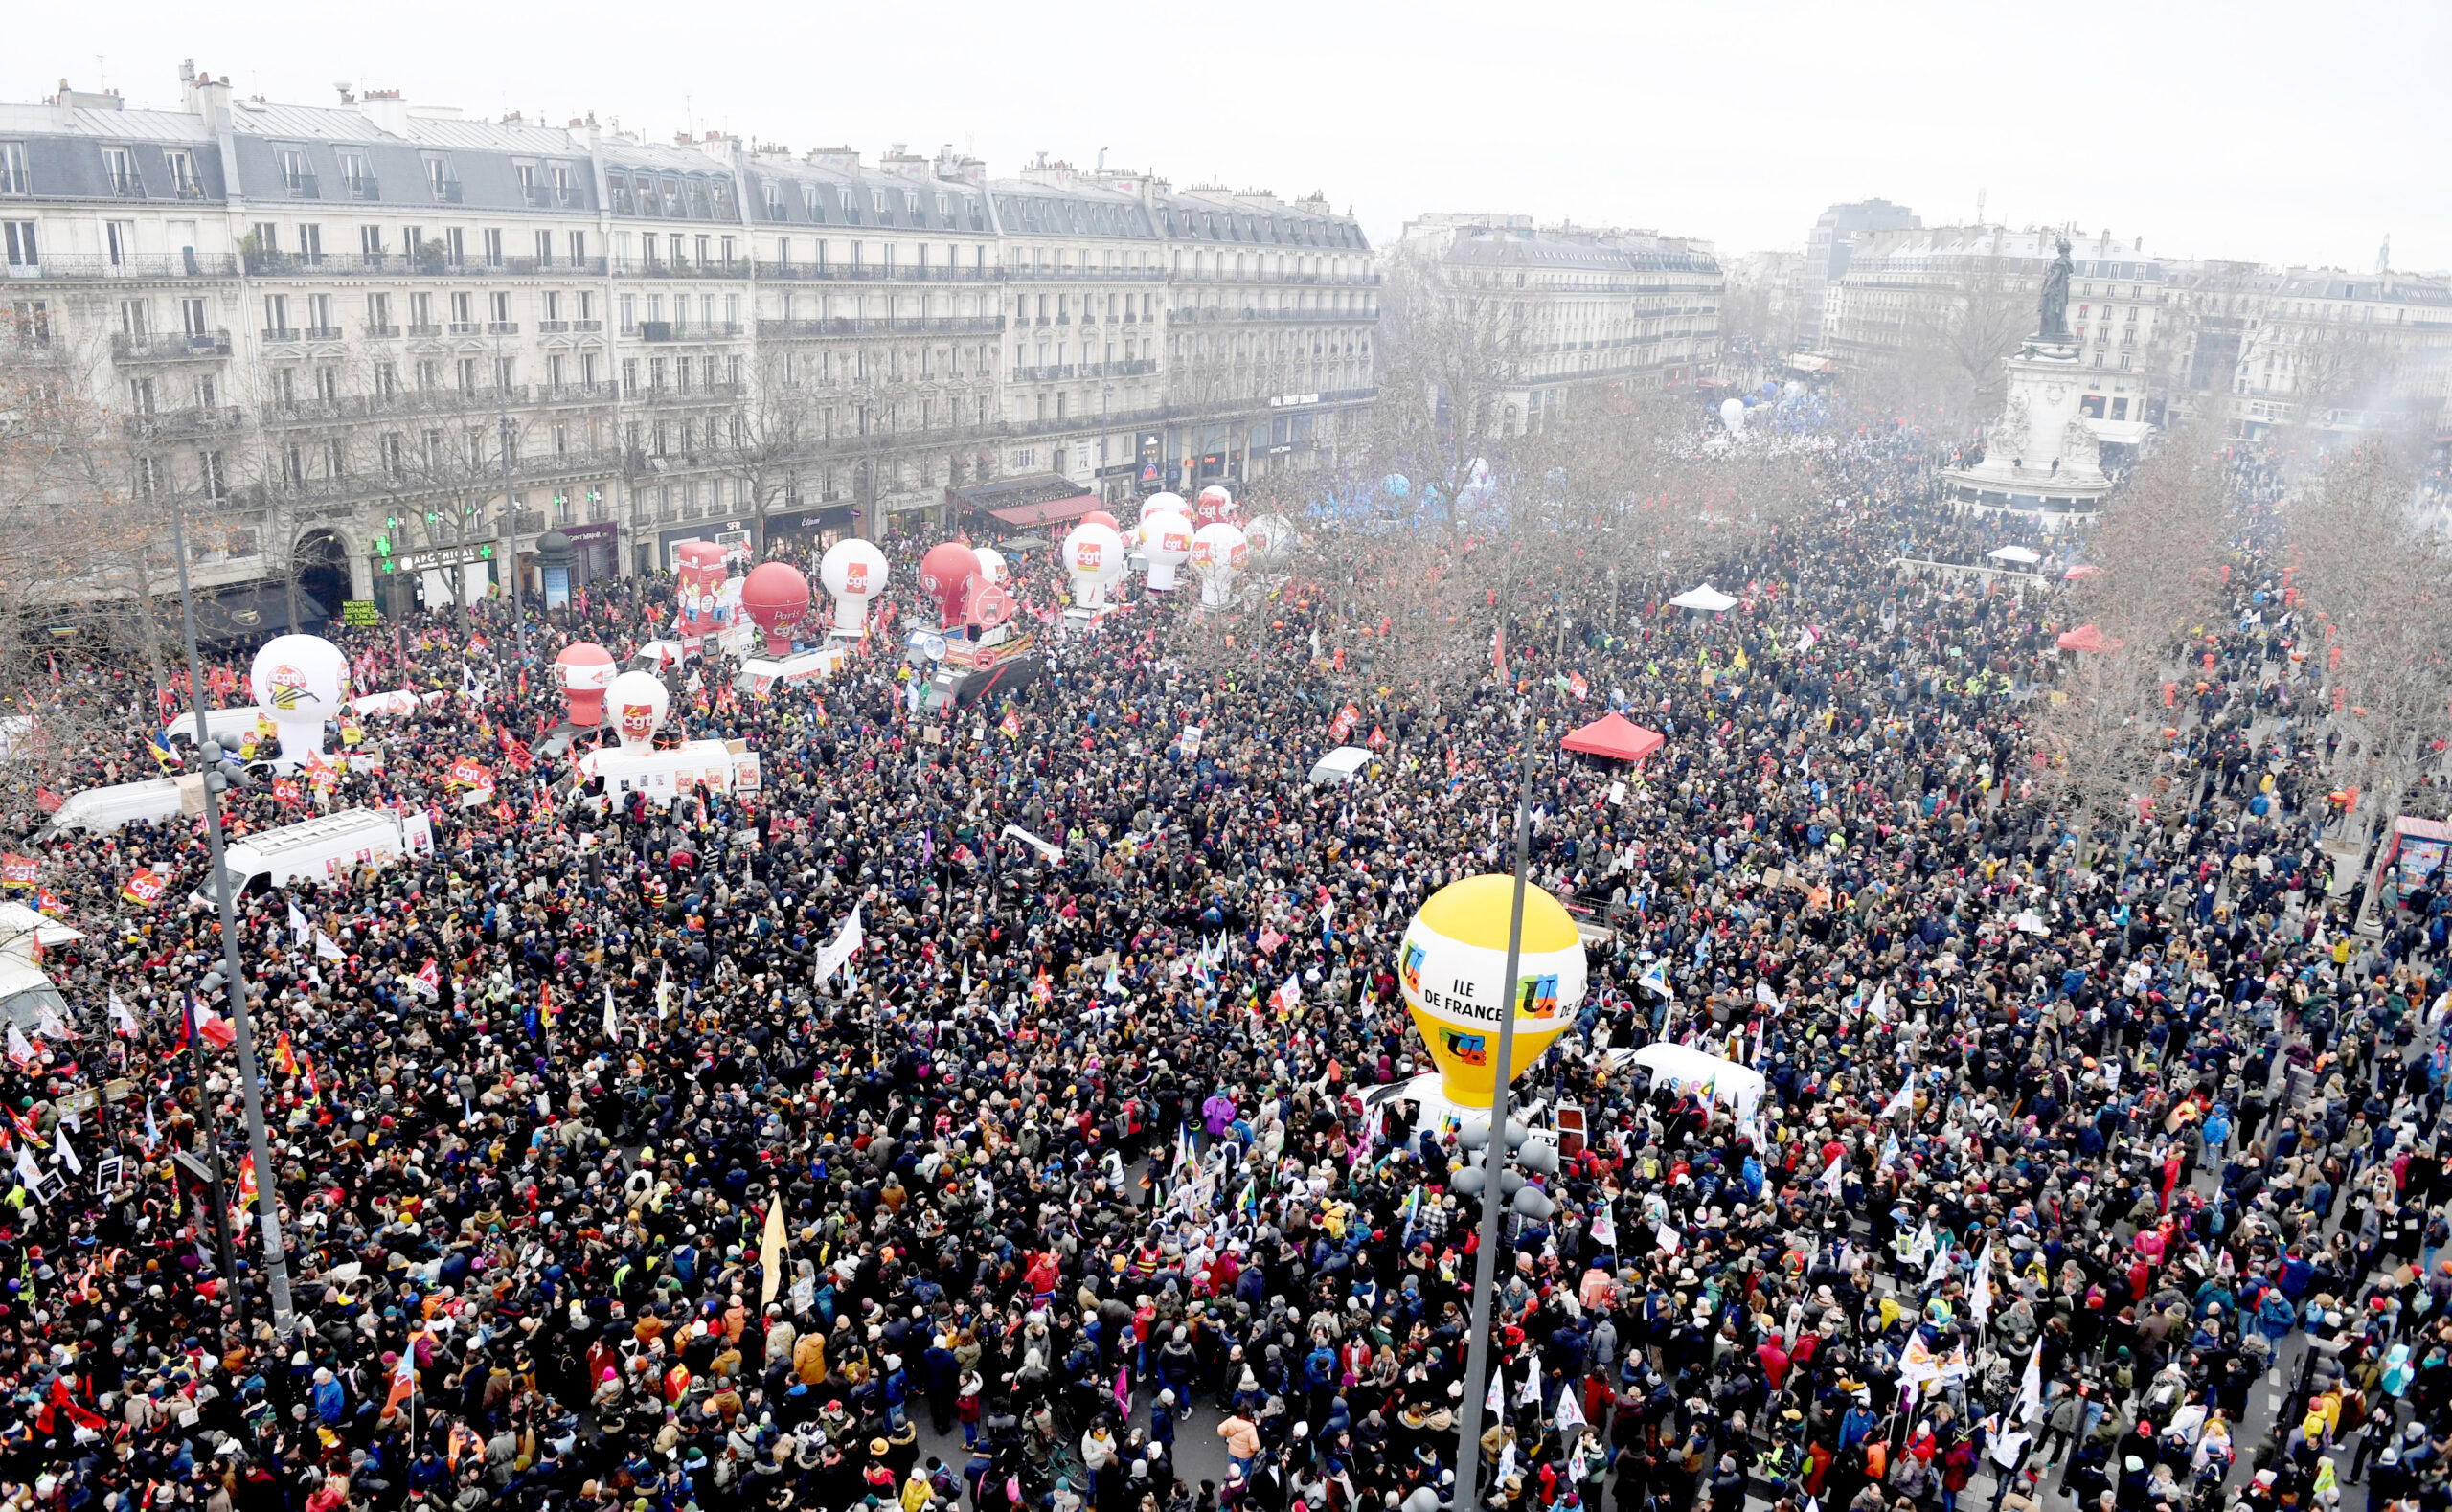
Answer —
2115 1185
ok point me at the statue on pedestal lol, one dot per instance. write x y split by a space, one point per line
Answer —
2056 297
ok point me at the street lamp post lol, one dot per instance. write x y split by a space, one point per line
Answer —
1494 1194
511 534
250 1091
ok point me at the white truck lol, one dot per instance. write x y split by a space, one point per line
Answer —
663 775
322 851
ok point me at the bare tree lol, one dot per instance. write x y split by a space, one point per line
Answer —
769 441
2156 558
2381 580
1942 347
1454 341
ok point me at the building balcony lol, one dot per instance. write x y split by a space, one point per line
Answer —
276 333
445 191
170 346
361 186
323 334
465 328
78 267
1087 275
661 331
302 185
169 425
665 268
401 265
907 325
380 333
874 273
553 327
502 328
426 331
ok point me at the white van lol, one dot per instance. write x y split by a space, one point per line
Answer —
100 810
229 726
725 766
322 849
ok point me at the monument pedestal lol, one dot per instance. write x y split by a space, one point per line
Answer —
2040 459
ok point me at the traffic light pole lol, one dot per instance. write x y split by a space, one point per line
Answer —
1494 1194
284 1321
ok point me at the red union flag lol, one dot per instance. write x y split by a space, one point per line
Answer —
1343 724
17 872
1011 723
466 773
144 888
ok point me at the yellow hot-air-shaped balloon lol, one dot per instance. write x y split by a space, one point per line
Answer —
1453 969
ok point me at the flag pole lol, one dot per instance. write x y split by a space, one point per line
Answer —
1493 1195
225 893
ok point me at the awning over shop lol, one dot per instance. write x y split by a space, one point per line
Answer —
1022 504
1029 516
255 609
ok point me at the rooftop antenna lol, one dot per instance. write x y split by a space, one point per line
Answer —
1103 162
102 74
1979 205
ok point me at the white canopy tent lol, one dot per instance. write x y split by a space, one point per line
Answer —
2014 554
1740 1088
1705 597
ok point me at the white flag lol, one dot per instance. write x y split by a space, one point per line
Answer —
1830 1176
27 1172
1604 1225
1880 1010
1495 1405
612 1030
1903 1101
299 928
1570 1413
67 1152
20 1048
1288 993
1979 1300
47 1019
2031 1386
837 953
327 948
124 1021
1531 1395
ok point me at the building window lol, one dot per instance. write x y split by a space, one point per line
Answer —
22 248
119 166
183 179
14 177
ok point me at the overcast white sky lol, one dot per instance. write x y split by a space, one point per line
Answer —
2244 128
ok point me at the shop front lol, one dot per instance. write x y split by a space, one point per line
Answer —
804 535
596 551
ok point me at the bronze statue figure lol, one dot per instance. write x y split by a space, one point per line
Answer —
2056 297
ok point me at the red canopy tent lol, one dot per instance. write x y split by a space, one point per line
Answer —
1616 736
2088 638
